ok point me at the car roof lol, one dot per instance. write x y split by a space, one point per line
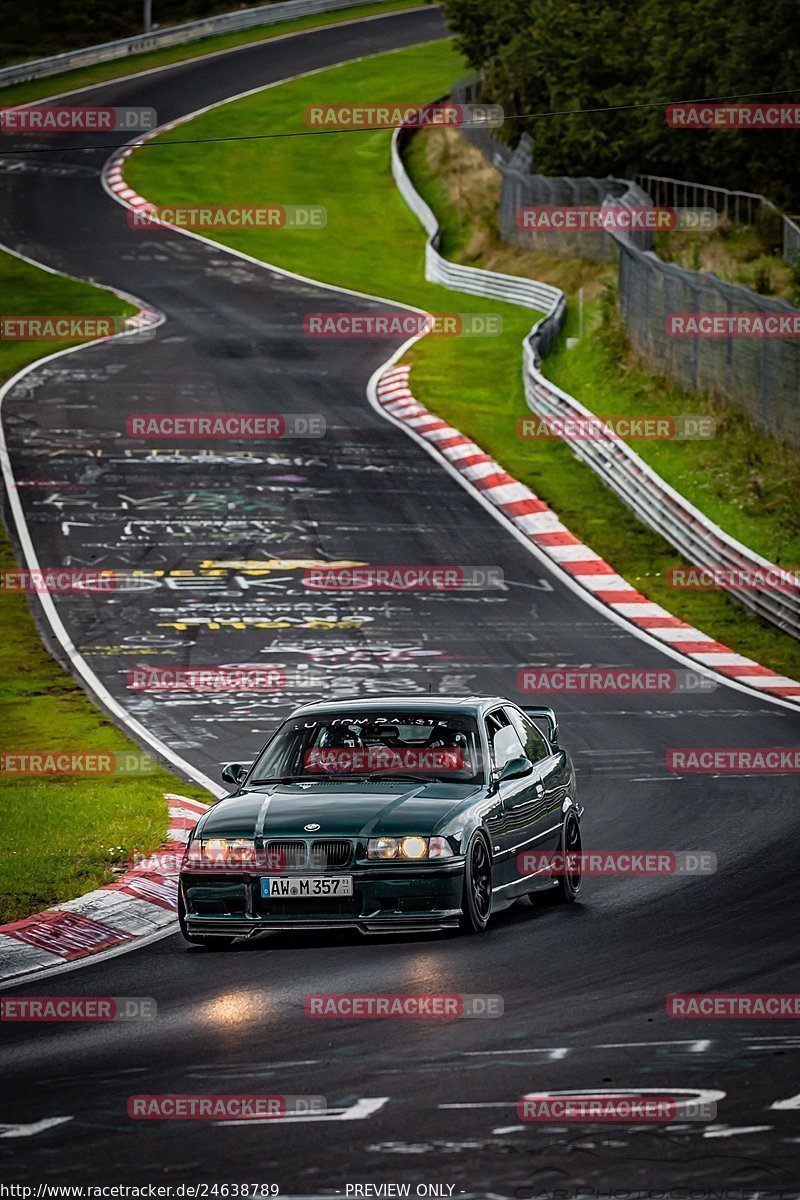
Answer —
475 705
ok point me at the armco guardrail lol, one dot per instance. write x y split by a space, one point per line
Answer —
513 289
657 504
264 14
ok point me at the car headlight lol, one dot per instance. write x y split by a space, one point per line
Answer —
414 847
411 847
220 852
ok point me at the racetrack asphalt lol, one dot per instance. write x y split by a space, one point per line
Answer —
583 988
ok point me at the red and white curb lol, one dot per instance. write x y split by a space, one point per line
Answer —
114 178
137 905
532 517
145 321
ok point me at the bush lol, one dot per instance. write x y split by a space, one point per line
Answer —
763 281
768 225
587 60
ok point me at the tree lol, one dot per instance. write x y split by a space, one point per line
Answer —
626 61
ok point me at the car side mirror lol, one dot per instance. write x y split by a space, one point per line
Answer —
515 768
233 773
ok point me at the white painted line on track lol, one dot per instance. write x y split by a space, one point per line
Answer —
360 1111
727 1131
20 1131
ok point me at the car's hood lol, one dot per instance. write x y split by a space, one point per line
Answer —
340 810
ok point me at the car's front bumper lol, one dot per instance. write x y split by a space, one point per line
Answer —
385 899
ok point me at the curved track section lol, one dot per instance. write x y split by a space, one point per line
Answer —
229 528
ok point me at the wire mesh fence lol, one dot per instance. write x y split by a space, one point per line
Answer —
756 372
742 208
524 191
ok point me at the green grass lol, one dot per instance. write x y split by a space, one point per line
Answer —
735 253
61 836
27 291
331 169
745 481
373 243
83 77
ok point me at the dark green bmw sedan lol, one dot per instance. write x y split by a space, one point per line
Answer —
390 814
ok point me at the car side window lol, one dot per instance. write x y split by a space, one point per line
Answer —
503 738
533 740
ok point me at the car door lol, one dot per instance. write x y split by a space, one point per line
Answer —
493 812
551 775
519 797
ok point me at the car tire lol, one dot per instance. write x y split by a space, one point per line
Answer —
568 885
476 898
210 941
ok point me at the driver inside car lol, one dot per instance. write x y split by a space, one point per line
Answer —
451 739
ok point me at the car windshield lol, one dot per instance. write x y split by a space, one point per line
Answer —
422 746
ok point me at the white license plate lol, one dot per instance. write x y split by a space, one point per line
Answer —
306 887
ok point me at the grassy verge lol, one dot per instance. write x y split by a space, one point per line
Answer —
735 253
61 835
745 481
83 77
372 243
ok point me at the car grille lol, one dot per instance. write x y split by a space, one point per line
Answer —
330 853
287 854
319 855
